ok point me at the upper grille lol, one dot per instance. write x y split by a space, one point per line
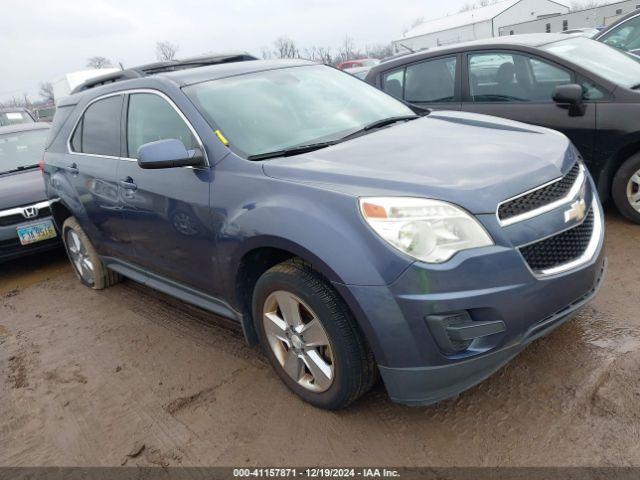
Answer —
19 218
559 249
541 197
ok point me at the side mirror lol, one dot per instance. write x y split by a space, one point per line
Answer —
168 153
570 96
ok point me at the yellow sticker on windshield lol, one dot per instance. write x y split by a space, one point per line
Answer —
222 138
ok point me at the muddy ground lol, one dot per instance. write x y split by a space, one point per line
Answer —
129 376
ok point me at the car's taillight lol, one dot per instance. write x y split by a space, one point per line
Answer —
42 166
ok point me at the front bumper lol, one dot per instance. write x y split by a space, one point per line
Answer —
428 385
10 247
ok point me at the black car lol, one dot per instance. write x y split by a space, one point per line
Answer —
623 34
581 87
25 218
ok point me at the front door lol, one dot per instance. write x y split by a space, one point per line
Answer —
166 210
520 87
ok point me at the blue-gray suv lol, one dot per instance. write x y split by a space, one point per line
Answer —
347 234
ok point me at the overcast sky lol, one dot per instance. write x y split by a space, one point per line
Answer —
41 40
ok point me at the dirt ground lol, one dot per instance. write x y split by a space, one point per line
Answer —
129 376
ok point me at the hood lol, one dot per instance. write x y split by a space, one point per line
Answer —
475 161
21 188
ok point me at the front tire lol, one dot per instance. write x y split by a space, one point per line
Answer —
85 260
625 189
310 338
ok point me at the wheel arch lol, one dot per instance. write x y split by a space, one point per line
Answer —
605 181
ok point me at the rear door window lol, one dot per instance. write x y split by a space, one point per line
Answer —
98 132
393 83
432 81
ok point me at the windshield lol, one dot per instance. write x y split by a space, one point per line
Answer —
21 149
278 109
13 118
626 36
616 66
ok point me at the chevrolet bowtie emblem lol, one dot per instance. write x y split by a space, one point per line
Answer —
576 212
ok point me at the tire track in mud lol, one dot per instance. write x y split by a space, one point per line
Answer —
187 321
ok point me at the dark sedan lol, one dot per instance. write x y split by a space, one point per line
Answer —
583 88
25 217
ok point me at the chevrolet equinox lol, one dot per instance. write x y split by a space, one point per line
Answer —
349 236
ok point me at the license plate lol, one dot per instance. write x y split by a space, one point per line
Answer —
36 232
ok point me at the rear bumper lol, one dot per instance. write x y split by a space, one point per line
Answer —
427 385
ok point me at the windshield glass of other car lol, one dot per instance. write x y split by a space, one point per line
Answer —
616 66
279 109
21 149
626 36
14 118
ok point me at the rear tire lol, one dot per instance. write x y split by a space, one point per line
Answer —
85 260
625 189
329 364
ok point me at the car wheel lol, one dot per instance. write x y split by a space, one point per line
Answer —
626 188
86 262
310 337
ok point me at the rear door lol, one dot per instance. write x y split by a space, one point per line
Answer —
520 87
432 83
166 210
90 167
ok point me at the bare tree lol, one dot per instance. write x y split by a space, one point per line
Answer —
379 51
319 54
46 92
285 48
166 51
266 53
575 6
98 62
347 50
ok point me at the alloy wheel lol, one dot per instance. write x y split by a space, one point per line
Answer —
80 256
298 341
633 191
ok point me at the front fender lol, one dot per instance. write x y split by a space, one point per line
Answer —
324 228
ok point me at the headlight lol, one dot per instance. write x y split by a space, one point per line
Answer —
429 230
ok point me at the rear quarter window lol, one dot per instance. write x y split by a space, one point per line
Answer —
59 119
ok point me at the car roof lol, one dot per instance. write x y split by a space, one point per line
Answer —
509 41
216 72
184 77
24 127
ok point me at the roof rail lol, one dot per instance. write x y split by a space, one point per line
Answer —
162 67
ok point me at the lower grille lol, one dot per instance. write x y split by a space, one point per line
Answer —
559 249
13 247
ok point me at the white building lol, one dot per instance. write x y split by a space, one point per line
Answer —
590 18
484 22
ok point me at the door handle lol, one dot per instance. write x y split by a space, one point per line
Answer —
73 169
128 183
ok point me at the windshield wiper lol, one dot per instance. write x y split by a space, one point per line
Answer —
379 124
635 87
22 167
287 152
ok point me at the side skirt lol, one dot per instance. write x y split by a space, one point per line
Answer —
177 290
